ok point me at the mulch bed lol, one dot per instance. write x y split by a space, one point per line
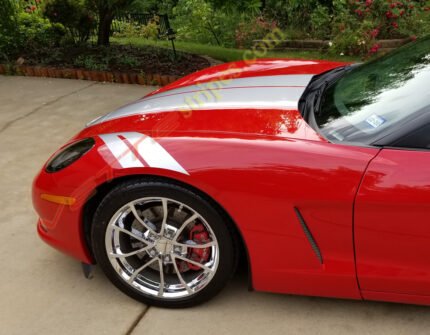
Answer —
118 63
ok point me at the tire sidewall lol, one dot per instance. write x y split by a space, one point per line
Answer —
131 191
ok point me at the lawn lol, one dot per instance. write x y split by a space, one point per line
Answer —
228 54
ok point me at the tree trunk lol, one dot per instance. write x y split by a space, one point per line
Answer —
105 23
263 5
210 28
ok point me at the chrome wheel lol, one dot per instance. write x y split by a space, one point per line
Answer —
162 247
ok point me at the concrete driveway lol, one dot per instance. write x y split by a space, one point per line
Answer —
44 292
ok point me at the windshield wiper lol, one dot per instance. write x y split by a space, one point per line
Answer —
312 98
318 99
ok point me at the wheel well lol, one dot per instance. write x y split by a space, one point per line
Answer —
102 190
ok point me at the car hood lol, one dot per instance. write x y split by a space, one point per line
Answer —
259 98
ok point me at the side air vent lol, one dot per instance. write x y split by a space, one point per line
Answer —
309 236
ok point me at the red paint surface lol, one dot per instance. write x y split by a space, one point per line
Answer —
259 165
392 224
255 68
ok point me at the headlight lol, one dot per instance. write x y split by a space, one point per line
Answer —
69 154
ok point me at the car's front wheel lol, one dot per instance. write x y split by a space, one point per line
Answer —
163 244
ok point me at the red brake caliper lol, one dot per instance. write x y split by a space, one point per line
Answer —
199 235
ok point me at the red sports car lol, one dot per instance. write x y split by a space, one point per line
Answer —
317 172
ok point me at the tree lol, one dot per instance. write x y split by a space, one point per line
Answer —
8 25
8 12
73 15
106 11
153 6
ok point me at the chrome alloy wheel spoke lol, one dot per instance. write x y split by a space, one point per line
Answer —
161 270
139 219
165 215
186 259
196 246
181 279
135 252
185 224
153 260
139 270
125 231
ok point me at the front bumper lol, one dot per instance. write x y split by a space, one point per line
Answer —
55 239
60 222
61 226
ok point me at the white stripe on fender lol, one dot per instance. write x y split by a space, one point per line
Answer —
148 149
121 151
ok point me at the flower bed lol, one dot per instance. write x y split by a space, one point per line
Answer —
117 63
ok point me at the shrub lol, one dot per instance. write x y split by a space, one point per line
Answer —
194 21
417 24
249 30
354 42
201 21
135 29
386 16
321 22
35 32
73 15
150 31
221 23
27 31
90 62
357 25
293 13
105 58
31 6
8 26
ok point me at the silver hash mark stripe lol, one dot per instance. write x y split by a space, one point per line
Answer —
150 150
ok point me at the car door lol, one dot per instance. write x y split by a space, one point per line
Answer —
392 219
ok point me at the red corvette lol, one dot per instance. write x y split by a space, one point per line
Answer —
317 172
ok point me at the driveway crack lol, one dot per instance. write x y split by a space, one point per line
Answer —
38 108
137 321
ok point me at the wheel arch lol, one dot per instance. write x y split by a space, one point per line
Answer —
103 189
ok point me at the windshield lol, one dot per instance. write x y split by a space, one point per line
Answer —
375 99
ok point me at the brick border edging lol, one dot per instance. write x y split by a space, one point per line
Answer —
84 74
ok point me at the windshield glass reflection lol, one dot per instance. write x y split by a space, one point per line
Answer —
376 97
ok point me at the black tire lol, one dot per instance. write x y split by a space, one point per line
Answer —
137 189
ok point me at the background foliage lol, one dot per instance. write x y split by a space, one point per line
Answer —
73 15
353 26
21 28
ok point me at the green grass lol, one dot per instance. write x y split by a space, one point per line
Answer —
227 54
